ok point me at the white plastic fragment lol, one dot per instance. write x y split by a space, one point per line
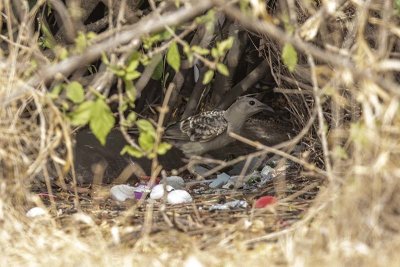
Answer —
176 182
158 191
179 197
267 174
35 212
221 180
122 192
235 204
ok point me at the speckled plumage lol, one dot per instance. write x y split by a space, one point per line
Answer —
204 126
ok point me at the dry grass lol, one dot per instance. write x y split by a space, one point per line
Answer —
353 221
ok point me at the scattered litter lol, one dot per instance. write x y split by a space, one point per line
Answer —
267 174
123 192
221 180
176 182
235 204
158 191
178 197
265 201
35 212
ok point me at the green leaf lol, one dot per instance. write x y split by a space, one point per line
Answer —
134 152
214 52
222 69
199 50
132 66
173 57
146 141
82 114
130 120
189 53
289 56
163 148
146 127
397 6
102 120
75 92
158 71
132 75
208 76
225 45
55 92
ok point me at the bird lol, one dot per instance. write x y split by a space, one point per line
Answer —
209 130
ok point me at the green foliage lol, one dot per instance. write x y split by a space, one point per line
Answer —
173 57
101 120
82 114
208 19
289 56
133 151
149 41
208 77
163 148
222 69
55 92
146 140
47 39
83 40
75 92
199 50
158 71
97 114
145 126
397 6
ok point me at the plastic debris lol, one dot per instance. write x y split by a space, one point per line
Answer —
176 182
265 201
123 192
158 191
235 204
267 174
221 180
36 212
179 197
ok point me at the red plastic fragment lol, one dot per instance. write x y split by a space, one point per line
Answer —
264 201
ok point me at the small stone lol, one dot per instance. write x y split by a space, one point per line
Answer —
179 197
176 182
221 180
122 192
36 212
267 174
158 191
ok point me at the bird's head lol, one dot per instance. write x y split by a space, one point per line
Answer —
249 105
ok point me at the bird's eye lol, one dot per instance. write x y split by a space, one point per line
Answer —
252 103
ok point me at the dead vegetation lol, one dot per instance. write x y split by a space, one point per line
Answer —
340 204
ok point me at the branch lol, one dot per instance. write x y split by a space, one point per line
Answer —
147 25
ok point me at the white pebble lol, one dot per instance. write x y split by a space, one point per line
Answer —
178 197
122 192
35 212
158 191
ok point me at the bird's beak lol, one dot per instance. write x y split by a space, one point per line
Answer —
266 107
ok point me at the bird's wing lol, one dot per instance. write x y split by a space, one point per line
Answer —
204 126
